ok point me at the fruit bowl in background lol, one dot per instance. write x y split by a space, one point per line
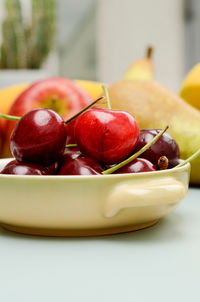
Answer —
89 205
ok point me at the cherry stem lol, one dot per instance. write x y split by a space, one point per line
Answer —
134 156
105 89
84 109
9 117
189 159
149 52
71 146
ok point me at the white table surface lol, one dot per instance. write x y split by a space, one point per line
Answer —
161 263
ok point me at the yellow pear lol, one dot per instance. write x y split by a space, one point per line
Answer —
190 90
154 106
141 69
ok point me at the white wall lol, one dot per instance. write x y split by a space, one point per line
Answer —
126 27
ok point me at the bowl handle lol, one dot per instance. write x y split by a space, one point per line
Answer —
152 192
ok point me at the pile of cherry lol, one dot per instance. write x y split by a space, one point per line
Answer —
104 141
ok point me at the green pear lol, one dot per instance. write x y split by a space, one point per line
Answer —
154 107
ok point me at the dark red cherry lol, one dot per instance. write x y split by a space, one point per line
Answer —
70 153
49 170
108 136
81 165
136 166
24 169
39 137
165 146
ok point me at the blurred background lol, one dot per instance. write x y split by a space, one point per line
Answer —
97 40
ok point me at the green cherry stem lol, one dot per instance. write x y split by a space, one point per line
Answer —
189 159
84 109
105 89
71 146
9 117
135 155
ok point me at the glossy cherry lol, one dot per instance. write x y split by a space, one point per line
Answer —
70 153
81 165
24 169
48 170
106 135
71 123
138 165
165 146
39 137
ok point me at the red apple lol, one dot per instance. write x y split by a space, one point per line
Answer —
59 94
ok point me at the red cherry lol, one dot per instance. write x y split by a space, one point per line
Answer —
49 170
108 136
136 166
24 169
71 139
70 153
81 165
165 146
39 137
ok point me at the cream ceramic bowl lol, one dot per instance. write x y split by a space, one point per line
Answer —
89 205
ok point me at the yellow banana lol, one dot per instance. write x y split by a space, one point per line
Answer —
8 96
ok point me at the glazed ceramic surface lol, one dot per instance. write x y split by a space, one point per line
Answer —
89 205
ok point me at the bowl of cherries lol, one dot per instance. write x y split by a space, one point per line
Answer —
94 174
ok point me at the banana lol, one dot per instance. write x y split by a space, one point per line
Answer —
9 94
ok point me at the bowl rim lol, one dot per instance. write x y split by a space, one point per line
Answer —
92 177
